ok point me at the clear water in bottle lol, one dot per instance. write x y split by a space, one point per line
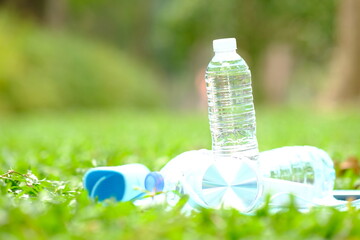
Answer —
230 102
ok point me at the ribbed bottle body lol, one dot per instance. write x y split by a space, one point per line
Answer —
230 107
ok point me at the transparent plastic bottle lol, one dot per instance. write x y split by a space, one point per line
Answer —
306 165
198 175
230 102
307 172
179 176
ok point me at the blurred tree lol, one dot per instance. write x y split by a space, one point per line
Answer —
126 24
55 13
174 36
277 69
49 12
184 30
41 69
33 9
344 81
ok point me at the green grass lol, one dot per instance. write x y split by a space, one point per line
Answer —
58 148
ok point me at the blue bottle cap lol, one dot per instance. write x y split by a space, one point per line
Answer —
122 183
154 182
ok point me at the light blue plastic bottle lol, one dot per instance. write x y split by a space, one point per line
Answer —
121 183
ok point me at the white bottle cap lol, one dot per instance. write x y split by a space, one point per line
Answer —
224 44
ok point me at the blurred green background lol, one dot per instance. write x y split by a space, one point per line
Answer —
86 83
77 54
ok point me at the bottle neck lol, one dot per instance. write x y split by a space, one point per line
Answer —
226 55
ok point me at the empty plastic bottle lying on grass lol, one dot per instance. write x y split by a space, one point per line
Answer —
305 172
121 183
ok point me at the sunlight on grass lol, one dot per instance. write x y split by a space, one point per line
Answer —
59 148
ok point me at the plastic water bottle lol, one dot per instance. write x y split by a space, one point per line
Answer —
307 172
230 102
305 165
179 176
194 173
304 171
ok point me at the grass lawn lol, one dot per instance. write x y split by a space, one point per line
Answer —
49 202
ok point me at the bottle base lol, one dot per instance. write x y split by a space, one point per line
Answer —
231 183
